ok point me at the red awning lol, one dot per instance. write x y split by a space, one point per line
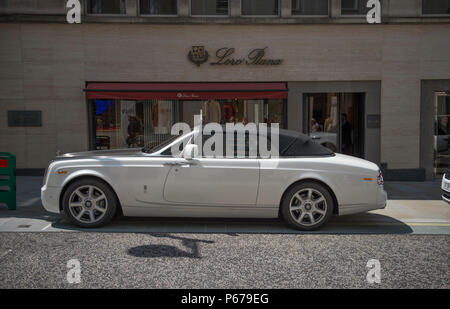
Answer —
185 91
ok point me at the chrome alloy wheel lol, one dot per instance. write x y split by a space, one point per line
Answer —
88 204
308 207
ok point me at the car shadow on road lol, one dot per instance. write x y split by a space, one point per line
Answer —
192 248
366 223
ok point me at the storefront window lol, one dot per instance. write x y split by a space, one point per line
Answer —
158 7
354 7
259 7
106 7
128 123
235 111
209 7
441 132
336 121
310 7
435 7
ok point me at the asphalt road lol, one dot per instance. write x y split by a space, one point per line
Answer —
161 260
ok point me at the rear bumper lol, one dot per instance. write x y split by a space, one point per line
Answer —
380 203
50 198
381 198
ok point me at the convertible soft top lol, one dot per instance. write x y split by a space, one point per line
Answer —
295 144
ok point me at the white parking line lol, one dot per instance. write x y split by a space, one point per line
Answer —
46 227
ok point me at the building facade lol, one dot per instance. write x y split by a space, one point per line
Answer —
133 68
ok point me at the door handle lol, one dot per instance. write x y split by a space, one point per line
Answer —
172 163
179 163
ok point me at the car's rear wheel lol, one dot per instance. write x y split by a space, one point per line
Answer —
307 206
89 203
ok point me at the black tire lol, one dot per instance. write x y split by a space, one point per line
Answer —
294 217
104 213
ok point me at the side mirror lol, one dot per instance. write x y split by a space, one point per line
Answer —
190 151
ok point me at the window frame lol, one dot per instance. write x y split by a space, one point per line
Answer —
139 13
312 16
212 16
352 15
278 15
422 14
86 11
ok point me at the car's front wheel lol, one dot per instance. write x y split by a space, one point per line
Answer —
89 202
307 206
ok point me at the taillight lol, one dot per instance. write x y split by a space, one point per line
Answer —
380 180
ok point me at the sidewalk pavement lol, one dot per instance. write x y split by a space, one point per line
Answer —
413 207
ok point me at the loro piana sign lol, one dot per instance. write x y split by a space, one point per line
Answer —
227 56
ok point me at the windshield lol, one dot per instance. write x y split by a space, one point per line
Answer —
155 147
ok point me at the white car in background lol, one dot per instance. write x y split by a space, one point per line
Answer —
445 186
305 186
326 139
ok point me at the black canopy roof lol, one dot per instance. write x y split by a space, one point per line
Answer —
294 144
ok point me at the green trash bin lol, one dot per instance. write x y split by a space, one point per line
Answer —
8 180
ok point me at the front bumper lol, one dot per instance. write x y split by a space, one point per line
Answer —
50 198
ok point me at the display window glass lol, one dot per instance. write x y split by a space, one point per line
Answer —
129 123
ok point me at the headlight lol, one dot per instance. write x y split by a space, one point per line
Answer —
380 180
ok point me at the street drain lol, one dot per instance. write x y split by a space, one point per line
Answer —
23 226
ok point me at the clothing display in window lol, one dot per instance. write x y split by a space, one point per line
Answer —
212 111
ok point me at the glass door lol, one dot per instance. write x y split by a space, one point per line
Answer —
441 132
336 121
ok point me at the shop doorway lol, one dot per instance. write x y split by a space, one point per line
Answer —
336 121
441 132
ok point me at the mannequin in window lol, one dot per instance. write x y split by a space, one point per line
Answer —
211 111
228 113
154 116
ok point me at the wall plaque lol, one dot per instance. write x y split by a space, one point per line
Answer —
24 118
373 121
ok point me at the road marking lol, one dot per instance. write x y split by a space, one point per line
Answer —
343 224
428 224
46 227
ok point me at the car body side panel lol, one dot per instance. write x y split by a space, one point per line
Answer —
213 182
139 182
346 180
202 211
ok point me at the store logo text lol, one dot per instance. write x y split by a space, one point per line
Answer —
226 56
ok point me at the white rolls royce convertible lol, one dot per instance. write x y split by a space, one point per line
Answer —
305 185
